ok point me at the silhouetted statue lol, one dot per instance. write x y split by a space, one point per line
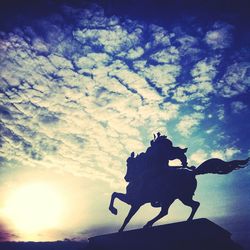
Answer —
151 179
152 164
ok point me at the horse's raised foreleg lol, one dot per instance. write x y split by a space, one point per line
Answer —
163 212
120 196
188 201
131 213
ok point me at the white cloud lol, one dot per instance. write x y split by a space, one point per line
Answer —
134 53
92 60
169 55
235 80
160 36
238 107
226 154
189 45
112 39
170 110
198 157
192 91
217 154
221 112
188 123
161 75
40 45
205 70
230 152
201 85
220 36
85 95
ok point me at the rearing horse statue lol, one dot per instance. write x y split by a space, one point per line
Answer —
162 187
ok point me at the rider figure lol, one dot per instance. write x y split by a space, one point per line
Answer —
152 165
162 151
155 161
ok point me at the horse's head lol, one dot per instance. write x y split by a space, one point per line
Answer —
129 174
130 163
132 168
127 178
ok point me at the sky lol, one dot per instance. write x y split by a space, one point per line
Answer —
85 83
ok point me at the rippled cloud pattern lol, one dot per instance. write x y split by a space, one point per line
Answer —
81 90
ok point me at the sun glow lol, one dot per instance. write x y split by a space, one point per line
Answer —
35 207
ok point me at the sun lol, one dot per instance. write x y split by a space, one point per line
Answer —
35 207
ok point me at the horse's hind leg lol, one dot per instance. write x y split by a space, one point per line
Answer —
119 196
163 212
131 213
188 201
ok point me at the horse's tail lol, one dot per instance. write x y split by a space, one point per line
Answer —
218 166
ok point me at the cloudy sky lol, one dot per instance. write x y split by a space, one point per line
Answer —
85 83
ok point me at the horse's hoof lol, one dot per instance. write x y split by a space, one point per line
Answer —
113 210
147 225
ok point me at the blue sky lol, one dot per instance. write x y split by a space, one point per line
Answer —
83 86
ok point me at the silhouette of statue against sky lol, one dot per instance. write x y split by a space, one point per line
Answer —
151 179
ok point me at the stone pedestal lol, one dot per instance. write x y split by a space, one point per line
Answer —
199 234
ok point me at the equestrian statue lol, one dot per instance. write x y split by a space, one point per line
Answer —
151 179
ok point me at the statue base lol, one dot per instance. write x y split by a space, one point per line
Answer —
195 235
